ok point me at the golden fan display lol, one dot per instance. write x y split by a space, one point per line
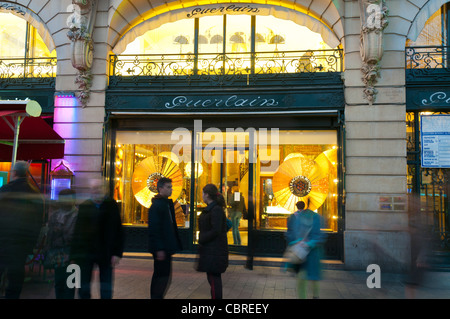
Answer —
147 173
300 178
328 159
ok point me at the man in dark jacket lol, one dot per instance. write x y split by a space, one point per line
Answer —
98 239
21 216
163 237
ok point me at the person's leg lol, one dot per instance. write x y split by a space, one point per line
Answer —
301 283
106 280
315 288
86 268
161 277
15 275
215 281
235 230
62 291
238 235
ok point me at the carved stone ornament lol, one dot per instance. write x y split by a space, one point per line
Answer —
373 21
12 7
81 25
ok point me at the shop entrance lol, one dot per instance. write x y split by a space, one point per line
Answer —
222 159
262 171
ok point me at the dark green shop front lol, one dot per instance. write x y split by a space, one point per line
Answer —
268 141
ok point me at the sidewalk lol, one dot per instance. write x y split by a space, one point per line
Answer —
267 280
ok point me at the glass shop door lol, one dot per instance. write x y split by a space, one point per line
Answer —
222 159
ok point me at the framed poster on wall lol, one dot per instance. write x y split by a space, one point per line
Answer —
435 141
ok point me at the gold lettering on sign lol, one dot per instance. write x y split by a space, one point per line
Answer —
232 8
231 101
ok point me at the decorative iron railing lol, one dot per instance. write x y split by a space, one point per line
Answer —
17 69
213 64
427 61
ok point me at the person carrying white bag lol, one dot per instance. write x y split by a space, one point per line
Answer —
305 248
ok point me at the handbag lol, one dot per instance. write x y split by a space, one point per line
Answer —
297 252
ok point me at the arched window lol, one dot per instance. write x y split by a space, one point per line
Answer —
229 33
227 44
430 50
23 53
435 31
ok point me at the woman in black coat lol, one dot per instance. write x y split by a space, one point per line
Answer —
213 243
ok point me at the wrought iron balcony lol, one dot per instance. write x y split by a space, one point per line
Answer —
222 68
428 63
20 71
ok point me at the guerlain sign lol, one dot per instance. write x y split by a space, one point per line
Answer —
217 9
437 98
232 101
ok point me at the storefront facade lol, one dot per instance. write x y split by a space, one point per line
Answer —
238 112
281 101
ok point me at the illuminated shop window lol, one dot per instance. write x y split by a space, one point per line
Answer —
23 53
301 165
227 44
141 159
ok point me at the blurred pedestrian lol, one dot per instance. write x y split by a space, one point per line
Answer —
236 211
163 238
212 240
21 219
98 240
304 225
421 247
61 226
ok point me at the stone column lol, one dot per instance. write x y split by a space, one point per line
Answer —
376 223
80 120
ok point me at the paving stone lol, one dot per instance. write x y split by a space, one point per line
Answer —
132 280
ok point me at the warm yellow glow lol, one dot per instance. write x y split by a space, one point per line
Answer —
176 37
13 37
175 41
170 156
198 169
166 7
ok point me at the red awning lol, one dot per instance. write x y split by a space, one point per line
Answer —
37 139
9 112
